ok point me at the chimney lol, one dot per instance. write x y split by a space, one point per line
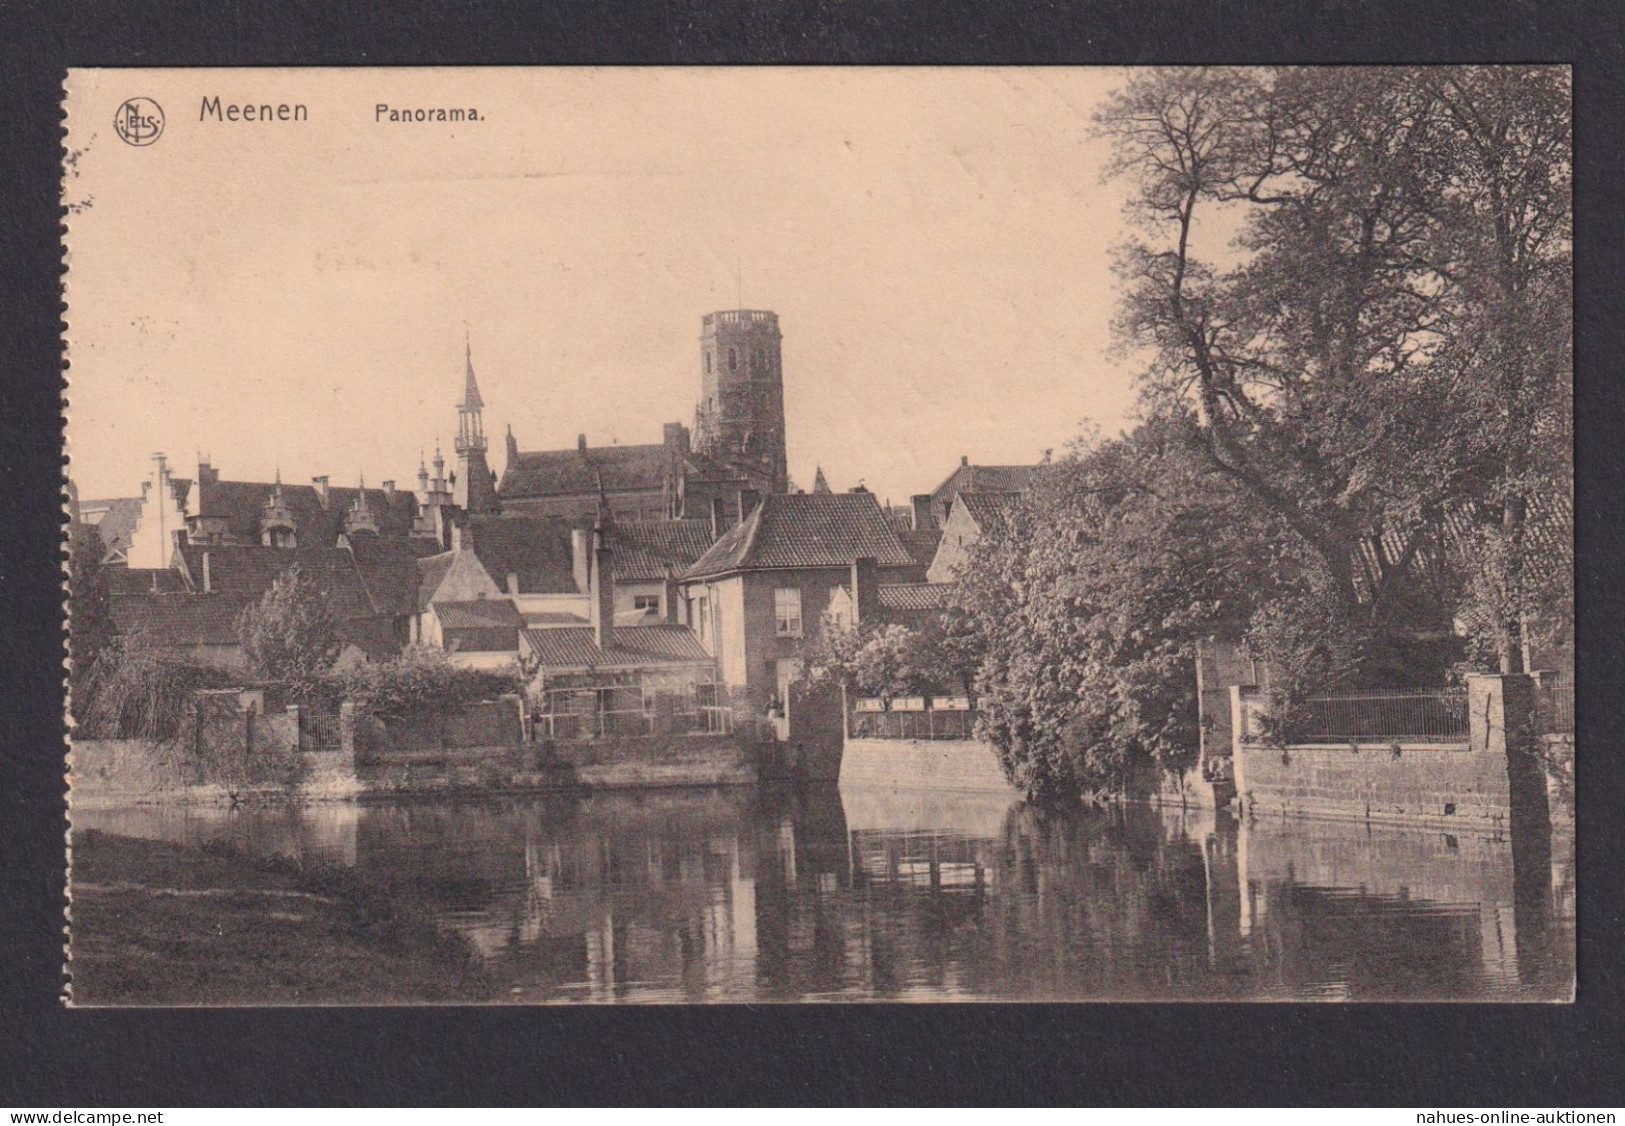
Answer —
603 596
455 528
865 590
389 490
208 575
513 585
321 489
581 443
206 473
922 511
964 460
669 597
580 558
675 435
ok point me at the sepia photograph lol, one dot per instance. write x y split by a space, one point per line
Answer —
693 535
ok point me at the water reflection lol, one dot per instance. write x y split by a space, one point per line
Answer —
745 895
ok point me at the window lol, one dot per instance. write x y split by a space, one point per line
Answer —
702 612
708 363
733 359
646 602
787 611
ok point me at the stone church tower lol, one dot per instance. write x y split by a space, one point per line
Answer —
476 489
740 419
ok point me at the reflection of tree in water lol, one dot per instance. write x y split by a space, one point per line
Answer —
802 892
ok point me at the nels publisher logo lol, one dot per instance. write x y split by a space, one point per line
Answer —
139 121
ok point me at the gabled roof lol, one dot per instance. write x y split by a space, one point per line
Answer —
635 647
989 510
915 596
574 472
114 521
485 613
431 572
806 530
985 479
536 549
644 550
242 505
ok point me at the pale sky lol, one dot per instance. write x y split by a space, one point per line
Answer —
935 241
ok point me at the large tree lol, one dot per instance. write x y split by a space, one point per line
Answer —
291 633
1087 605
1378 352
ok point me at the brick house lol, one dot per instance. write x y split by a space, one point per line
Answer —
757 597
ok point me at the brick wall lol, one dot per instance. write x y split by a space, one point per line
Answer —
1444 786
941 764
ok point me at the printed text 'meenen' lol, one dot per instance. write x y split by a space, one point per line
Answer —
212 110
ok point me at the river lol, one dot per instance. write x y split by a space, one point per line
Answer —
747 895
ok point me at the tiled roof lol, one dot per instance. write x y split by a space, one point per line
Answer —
547 473
117 523
534 548
552 618
431 572
989 509
485 613
984 479
388 569
182 619
242 504
915 596
921 543
143 580
254 569
635 646
645 549
806 530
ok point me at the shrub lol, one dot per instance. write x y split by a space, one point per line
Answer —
421 680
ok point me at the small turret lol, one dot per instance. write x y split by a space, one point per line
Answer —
276 521
359 520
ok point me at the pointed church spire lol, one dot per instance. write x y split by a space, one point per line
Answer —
820 485
471 388
474 486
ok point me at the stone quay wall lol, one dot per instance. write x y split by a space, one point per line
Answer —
1446 785
924 764
1499 778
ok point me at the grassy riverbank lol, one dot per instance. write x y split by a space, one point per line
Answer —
159 924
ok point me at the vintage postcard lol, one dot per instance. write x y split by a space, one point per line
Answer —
845 534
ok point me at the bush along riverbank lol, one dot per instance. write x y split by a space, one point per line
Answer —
159 924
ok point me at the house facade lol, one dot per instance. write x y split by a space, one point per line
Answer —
756 600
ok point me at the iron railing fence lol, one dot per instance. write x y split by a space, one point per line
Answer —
1377 715
629 711
1554 706
912 725
319 731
